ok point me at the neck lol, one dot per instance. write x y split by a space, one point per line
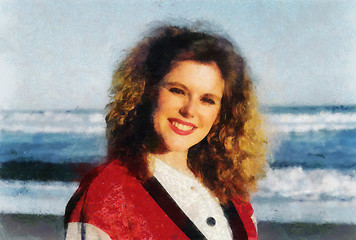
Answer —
176 160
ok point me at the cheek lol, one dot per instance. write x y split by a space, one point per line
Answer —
159 108
213 117
164 101
163 110
210 120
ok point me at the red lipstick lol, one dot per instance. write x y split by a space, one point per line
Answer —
179 131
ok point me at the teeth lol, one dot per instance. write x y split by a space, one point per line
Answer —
181 126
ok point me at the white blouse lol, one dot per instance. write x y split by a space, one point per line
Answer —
195 201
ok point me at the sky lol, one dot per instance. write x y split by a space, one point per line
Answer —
61 54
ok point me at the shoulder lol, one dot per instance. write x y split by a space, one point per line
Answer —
111 183
242 206
102 189
108 179
246 213
110 175
102 199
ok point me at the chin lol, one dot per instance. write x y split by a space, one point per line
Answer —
177 149
178 146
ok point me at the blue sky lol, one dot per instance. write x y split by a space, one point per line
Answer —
61 54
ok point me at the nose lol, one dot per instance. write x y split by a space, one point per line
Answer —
188 109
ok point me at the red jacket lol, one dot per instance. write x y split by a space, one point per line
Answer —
113 200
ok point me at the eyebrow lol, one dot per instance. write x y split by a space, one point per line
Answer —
177 84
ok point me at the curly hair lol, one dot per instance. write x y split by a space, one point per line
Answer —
231 158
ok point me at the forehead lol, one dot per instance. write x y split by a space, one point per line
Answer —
202 77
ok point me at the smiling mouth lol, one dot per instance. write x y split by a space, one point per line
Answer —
180 127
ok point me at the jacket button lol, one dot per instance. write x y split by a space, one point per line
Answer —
211 221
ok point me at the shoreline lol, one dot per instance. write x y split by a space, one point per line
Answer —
48 227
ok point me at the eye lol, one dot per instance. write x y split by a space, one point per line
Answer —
177 91
208 100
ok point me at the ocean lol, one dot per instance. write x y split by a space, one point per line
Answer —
311 178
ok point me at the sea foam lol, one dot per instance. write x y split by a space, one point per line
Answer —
93 122
298 184
304 122
298 195
31 197
88 122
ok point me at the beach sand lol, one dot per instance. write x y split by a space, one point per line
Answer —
50 227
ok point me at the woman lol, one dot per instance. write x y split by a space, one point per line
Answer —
185 146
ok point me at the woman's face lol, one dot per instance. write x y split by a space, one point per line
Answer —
189 101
